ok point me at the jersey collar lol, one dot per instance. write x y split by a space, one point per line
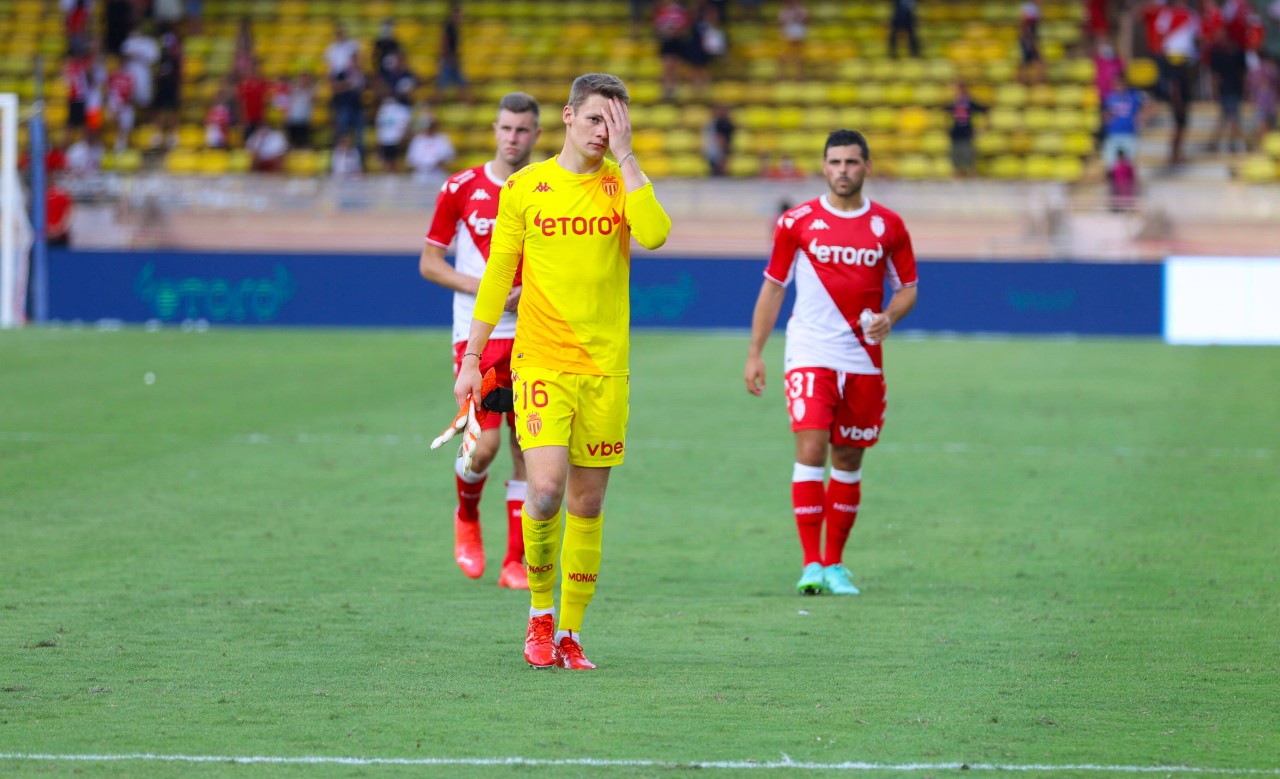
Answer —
826 204
488 171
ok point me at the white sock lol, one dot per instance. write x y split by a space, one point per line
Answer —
539 612
562 633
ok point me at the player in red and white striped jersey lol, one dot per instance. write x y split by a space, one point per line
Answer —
466 209
840 249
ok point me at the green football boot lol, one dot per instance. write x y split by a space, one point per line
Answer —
811 579
837 580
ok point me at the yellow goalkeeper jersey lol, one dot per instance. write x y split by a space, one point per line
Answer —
574 233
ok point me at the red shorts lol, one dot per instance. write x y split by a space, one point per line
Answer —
496 355
850 405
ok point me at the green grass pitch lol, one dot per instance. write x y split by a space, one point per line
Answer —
1068 552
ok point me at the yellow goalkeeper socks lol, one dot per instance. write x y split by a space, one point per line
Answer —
580 562
541 548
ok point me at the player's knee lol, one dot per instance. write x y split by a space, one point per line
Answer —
545 497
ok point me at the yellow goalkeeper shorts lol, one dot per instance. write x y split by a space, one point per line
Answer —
586 413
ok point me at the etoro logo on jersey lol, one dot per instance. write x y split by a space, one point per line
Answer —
551 226
479 224
849 255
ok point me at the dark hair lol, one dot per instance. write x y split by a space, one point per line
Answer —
848 138
520 103
589 84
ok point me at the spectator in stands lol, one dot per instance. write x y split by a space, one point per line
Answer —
450 75
1228 68
1107 63
903 21
118 22
268 147
168 12
58 207
297 103
671 27
1097 21
141 53
1031 67
84 154
385 46
1123 183
717 140
76 21
396 80
430 152
168 86
340 52
964 156
347 107
1172 32
391 125
706 45
793 20
1263 86
219 118
242 59
120 101
1122 117
346 162
251 99
77 75
1029 17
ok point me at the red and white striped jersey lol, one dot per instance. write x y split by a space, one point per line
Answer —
840 261
467 208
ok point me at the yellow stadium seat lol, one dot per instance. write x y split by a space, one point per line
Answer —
1020 142
1007 166
213 162
1067 169
681 141
1142 72
1005 119
239 161
182 162
1039 167
942 168
935 142
990 143
744 166
657 166
1047 143
1271 144
913 120
689 166
1258 170
1079 144
913 167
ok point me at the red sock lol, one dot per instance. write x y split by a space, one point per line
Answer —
807 501
516 491
469 499
842 511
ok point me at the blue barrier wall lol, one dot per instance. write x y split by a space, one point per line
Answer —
386 291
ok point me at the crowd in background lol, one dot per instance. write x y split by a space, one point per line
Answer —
125 60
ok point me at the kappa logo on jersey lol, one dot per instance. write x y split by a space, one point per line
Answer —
480 194
849 255
480 225
860 433
552 226
542 187
533 423
818 224
877 225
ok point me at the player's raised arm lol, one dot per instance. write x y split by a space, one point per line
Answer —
649 223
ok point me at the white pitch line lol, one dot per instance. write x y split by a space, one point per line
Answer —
395 439
600 763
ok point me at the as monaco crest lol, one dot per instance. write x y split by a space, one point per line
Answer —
533 423
610 185
877 225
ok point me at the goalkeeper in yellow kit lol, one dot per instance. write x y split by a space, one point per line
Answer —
571 218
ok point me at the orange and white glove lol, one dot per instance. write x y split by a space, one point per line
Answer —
469 420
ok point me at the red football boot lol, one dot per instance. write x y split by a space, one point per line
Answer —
539 642
571 656
514 576
468 547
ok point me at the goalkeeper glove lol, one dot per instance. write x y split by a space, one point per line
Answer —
470 417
